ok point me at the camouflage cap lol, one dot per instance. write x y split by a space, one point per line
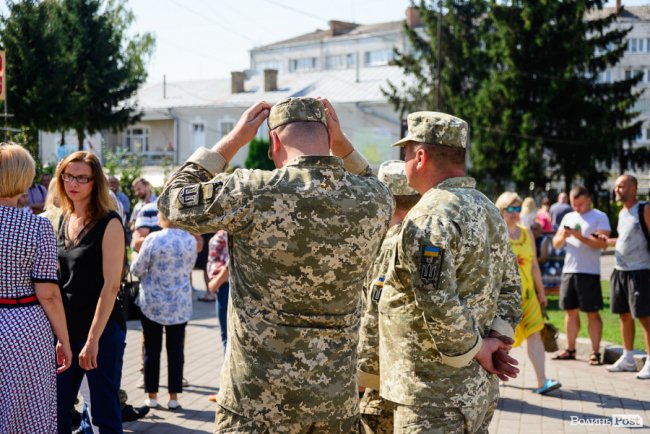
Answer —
392 174
304 109
435 128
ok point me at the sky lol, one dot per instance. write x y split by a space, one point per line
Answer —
200 39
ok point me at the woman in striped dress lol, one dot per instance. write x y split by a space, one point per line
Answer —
532 297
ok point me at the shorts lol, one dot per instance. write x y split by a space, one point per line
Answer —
630 291
580 290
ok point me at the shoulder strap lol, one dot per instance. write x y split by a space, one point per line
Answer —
644 227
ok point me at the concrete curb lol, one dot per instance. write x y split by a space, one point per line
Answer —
611 352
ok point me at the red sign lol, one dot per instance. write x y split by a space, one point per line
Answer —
3 73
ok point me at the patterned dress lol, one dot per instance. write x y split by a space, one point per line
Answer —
532 320
27 356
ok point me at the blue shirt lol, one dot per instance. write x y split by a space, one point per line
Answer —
164 265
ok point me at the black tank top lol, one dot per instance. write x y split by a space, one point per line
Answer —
82 277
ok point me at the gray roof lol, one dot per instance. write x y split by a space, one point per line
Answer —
339 86
628 13
322 35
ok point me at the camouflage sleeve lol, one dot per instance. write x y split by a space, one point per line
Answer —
509 311
368 350
357 164
428 248
198 201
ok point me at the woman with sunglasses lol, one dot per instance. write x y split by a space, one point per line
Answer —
532 297
91 258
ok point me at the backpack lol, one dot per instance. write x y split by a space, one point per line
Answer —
644 227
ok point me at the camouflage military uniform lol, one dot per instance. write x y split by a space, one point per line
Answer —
301 240
453 279
376 412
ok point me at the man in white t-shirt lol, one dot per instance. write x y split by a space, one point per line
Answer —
580 287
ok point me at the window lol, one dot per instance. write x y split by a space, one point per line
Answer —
631 45
628 74
305 64
340 61
226 127
376 58
647 45
647 134
136 140
198 135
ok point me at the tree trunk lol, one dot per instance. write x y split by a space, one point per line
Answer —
80 139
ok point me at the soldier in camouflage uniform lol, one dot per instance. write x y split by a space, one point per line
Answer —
451 296
301 239
376 412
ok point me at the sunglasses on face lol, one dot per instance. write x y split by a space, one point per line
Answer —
81 179
512 209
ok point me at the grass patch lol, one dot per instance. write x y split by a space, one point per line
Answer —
611 324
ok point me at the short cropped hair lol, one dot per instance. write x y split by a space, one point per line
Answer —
142 180
506 199
579 190
443 154
17 169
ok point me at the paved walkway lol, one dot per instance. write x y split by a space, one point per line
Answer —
588 392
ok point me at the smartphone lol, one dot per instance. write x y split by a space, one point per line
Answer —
567 227
595 235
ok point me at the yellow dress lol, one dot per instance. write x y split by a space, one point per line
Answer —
532 320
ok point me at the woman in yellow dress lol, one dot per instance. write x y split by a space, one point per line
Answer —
532 297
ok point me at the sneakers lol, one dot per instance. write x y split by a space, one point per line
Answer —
151 402
644 373
623 365
173 404
549 385
185 383
130 413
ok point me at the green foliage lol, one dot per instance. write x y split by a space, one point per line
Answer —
127 166
73 64
258 155
28 139
37 64
524 74
108 68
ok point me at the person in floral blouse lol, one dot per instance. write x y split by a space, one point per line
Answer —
164 265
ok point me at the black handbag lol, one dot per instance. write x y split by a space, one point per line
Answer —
129 289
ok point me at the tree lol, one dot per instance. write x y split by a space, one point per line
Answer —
461 63
257 157
108 67
37 64
544 110
525 75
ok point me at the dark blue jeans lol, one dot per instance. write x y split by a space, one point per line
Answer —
222 312
174 340
103 382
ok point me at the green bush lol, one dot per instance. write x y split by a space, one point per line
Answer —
258 155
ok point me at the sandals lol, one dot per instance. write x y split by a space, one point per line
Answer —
567 354
594 359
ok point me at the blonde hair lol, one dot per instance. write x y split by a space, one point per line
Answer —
17 169
100 199
506 199
52 195
528 206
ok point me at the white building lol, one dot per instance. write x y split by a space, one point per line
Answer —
348 63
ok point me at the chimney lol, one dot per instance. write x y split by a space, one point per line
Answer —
270 80
618 7
341 27
413 17
237 81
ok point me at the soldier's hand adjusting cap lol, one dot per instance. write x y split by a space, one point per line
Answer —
393 174
436 129
303 109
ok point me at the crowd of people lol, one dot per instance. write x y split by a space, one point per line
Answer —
408 288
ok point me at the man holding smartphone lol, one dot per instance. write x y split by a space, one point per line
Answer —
580 288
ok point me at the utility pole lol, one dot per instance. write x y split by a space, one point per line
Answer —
439 54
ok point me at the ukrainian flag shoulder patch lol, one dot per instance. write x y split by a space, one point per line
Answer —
430 263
